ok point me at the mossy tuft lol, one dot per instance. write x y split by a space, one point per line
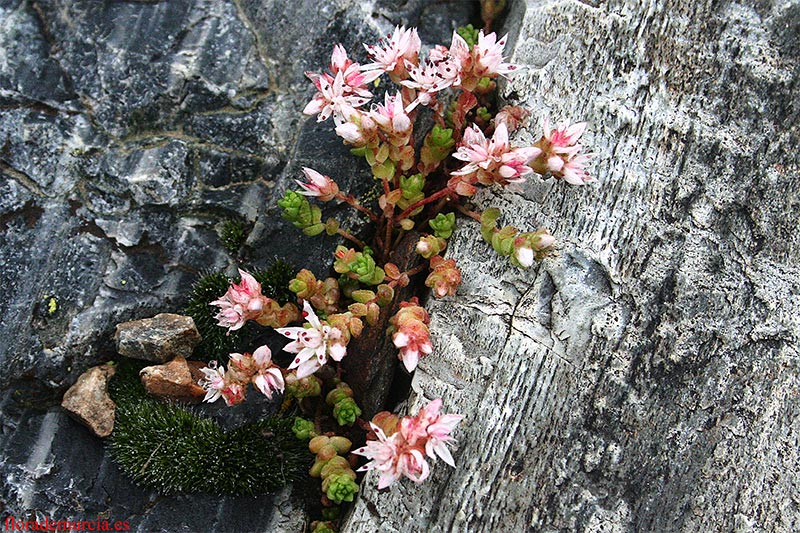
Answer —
217 342
232 234
171 449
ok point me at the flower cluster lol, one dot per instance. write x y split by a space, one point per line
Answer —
231 385
559 153
424 178
490 160
400 449
244 301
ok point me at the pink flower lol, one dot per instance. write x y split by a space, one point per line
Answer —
427 80
392 119
431 430
334 98
410 333
318 185
564 138
269 377
448 63
240 303
391 54
213 381
382 454
313 344
402 453
233 393
487 57
438 431
340 91
559 153
490 160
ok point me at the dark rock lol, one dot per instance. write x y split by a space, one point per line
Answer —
89 403
159 339
176 380
128 131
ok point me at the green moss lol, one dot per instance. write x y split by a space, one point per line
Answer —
275 280
232 234
171 449
217 342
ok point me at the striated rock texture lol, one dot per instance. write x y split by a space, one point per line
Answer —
646 378
89 403
158 339
128 131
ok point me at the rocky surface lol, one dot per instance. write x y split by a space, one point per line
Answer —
646 378
176 380
128 131
89 403
158 339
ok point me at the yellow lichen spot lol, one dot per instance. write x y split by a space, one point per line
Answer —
52 306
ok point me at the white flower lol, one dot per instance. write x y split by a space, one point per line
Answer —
269 377
213 381
313 344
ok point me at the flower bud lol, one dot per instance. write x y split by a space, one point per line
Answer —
444 278
430 245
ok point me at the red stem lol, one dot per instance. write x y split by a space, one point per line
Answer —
471 214
349 236
350 200
432 198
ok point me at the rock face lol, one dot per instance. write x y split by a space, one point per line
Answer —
158 339
646 378
176 380
88 400
128 131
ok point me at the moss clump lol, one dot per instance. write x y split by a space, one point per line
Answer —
232 234
275 280
171 449
217 342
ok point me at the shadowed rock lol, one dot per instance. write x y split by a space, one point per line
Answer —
88 402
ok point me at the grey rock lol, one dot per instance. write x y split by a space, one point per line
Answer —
159 339
89 403
645 378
